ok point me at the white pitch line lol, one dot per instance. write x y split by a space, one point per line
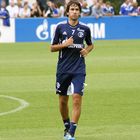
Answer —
23 104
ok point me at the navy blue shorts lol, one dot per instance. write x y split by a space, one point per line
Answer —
67 84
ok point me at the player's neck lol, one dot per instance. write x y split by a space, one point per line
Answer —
73 22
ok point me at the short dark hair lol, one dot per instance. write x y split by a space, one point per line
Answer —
73 2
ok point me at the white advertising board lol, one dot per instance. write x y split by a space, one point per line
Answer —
7 34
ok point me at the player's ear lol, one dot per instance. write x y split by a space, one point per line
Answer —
67 14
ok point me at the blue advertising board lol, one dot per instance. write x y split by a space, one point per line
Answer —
35 29
105 28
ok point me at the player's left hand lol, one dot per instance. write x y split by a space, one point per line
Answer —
84 52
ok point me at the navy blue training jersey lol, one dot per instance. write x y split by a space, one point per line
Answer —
70 59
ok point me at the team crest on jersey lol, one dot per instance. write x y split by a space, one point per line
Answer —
80 34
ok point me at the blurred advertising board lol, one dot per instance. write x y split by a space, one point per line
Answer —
7 33
105 28
42 29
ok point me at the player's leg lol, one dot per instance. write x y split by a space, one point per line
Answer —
76 110
63 106
64 111
78 86
62 84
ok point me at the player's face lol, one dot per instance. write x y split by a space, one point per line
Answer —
74 12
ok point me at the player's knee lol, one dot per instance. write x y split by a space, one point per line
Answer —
63 102
77 102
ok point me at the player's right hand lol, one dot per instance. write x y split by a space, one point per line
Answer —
68 42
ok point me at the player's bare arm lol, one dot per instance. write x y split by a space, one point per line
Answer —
58 47
84 52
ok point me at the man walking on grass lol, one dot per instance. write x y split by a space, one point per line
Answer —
69 40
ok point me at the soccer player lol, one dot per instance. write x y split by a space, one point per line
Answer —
69 40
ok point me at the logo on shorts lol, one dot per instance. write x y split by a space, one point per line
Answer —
57 87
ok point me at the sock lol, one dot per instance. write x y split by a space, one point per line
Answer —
72 128
67 123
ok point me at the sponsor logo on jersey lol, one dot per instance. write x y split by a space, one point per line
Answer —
78 46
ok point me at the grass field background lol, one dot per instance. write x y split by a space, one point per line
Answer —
111 104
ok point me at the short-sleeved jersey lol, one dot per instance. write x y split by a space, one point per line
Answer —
70 59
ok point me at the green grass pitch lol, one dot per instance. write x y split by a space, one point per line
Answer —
111 104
